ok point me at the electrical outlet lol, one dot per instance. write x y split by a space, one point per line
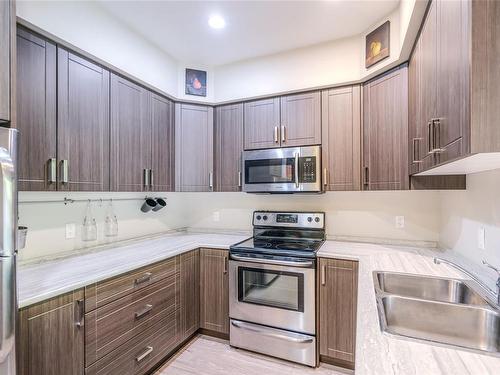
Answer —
216 216
70 231
481 238
400 222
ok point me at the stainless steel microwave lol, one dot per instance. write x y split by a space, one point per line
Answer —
282 170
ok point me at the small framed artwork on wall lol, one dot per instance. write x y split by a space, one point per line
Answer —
378 44
196 82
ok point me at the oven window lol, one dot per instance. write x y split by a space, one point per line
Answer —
270 171
283 290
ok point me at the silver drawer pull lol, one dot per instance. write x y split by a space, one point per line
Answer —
144 311
144 354
268 332
143 279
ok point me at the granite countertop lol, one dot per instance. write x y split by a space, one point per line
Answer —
380 353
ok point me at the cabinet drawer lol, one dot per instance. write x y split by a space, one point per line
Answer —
112 325
142 352
104 292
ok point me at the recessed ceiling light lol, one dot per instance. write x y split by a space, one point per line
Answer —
216 22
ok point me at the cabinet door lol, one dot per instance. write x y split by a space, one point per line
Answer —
341 138
162 118
189 293
228 147
214 293
36 112
385 132
130 135
193 148
301 119
338 287
51 336
83 124
5 30
262 124
452 72
415 135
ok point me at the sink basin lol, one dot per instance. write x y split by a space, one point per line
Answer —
427 287
466 326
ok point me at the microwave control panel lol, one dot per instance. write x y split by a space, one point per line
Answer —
307 169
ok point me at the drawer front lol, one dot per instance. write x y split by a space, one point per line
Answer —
142 352
115 323
104 292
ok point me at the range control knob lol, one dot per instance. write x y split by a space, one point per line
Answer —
309 219
316 219
265 217
258 217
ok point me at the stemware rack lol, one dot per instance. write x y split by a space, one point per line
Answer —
67 200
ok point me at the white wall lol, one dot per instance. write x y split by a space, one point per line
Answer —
88 26
463 213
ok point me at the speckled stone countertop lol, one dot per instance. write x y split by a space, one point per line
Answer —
380 353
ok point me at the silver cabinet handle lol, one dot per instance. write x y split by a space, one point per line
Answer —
297 338
239 179
151 178
302 264
430 137
323 274
297 184
145 175
145 278
147 351
80 313
325 177
146 310
276 140
225 264
436 137
210 180
64 171
416 143
52 170
367 177
283 134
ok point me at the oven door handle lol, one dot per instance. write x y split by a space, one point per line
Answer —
304 264
266 332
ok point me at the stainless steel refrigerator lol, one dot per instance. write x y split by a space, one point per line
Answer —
8 249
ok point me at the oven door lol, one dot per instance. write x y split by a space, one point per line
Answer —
285 170
274 295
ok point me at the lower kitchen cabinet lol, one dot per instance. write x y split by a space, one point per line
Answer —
51 336
337 294
189 293
214 291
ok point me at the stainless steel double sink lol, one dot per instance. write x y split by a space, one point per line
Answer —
442 310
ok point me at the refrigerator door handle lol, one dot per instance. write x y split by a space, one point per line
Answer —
8 203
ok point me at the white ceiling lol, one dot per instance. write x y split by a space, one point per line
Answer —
253 28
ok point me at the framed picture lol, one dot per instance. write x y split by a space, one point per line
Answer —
196 82
378 44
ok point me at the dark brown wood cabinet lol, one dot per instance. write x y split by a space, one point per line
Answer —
36 112
214 290
262 124
341 138
82 124
301 119
385 132
5 59
189 293
193 148
51 336
131 136
228 146
337 293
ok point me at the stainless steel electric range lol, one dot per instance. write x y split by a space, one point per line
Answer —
272 278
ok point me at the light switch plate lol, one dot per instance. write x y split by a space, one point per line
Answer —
400 222
481 241
70 231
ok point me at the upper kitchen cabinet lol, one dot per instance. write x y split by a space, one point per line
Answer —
228 145
131 136
193 148
293 120
82 124
7 58
454 90
301 119
385 132
341 138
262 124
162 119
36 112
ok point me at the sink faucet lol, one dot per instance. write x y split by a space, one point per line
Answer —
474 277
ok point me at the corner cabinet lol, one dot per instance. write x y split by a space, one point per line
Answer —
228 146
385 132
51 336
337 294
194 148
341 138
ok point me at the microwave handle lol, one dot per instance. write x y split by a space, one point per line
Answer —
297 184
